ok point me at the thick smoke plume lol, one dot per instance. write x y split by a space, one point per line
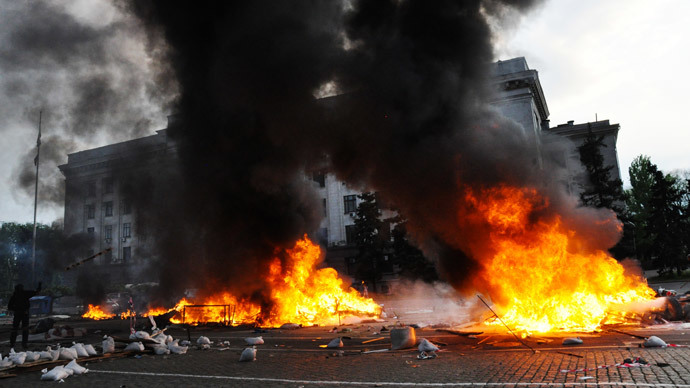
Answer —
85 66
412 123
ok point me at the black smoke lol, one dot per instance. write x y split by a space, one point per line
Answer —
86 68
412 123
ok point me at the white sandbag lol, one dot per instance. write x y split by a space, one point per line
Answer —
248 354
90 350
81 352
17 358
177 349
67 354
32 356
654 342
108 345
46 355
290 326
426 346
203 341
572 341
5 362
76 368
168 339
160 350
55 374
185 343
141 335
50 354
403 338
335 343
135 347
254 340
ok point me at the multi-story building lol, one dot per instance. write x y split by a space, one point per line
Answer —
95 205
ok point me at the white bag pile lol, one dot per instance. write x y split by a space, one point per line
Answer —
134 347
68 354
17 358
79 348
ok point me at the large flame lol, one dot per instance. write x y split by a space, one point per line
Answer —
300 293
95 312
534 274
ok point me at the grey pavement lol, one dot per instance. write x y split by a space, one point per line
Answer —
294 359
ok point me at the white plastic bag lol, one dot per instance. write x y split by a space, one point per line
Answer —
108 345
135 347
90 350
203 341
5 362
654 342
160 350
32 356
55 374
141 335
168 339
572 341
177 349
426 346
67 354
79 348
248 354
335 343
254 340
76 368
17 358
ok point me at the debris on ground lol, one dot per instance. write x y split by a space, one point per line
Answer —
634 362
426 356
248 354
290 326
403 338
254 340
572 341
175 348
373 340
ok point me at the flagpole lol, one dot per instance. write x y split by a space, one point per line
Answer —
37 161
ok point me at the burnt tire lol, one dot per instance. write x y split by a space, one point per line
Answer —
673 311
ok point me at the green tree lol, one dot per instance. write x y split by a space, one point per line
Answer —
666 221
639 207
601 190
370 239
413 264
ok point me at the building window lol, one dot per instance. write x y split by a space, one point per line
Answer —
127 229
108 206
91 211
108 233
126 254
107 185
91 230
350 202
350 234
325 207
320 178
91 188
126 207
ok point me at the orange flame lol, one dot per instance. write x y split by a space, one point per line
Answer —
300 294
95 312
536 277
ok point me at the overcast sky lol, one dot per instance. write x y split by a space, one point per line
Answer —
623 60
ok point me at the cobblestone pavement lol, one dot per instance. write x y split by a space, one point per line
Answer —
294 359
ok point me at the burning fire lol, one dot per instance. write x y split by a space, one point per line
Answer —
300 294
95 312
536 278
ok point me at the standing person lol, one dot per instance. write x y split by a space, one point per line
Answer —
19 303
365 290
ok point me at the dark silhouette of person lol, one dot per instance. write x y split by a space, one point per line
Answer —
19 304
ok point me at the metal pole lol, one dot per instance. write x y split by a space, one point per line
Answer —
37 160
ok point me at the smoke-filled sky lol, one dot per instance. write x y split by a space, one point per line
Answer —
621 60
